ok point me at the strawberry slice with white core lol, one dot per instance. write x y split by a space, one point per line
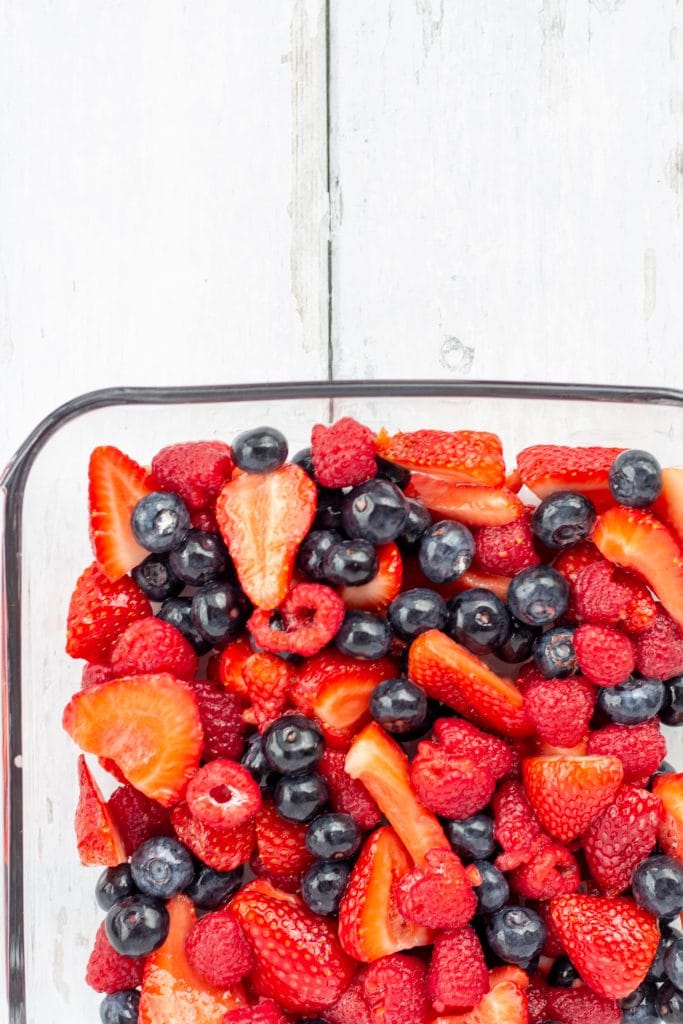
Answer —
115 485
97 837
547 468
506 1003
378 594
473 505
669 505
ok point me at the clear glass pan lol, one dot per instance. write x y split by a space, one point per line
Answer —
49 914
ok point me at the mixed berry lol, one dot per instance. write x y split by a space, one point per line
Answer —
382 724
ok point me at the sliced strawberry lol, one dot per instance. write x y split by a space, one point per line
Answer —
450 673
171 989
546 468
370 924
636 540
568 793
378 594
269 681
473 578
99 612
336 690
383 768
263 519
476 506
669 505
669 789
226 667
223 849
461 456
115 486
97 836
347 795
505 1003
300 962
621 837
148 725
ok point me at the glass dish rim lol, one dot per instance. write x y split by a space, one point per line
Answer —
13 483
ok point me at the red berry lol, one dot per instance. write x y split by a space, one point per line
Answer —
266 1011
268 680
581 1006
115 486
552 872
457 974
93 674
640 748
609 596
218 950
659 650
506 550
621 837
546 468
571 561
560 709
343 454
152 645
351 1008
109 971
438 895
568 792
448 784
394 990
98 839
281 844
226 668
196 470
457 736
223 794
137 817
221 848
458 456
347 795
221 718
605 656
537 995
100 611
312 614
516 827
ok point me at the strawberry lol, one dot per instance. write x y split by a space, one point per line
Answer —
572 561
568 793
115 486
460 456
171 989
390 990
281 844
450 673
581 1006
223 849
473 578
610 941
457 973
669 505
378 594
97 836
265 1011
546 468
226 668
336 689
149 725
268 680
263 519
99 612
621 837
196 470
669 789
505 1003
636 540
471 504
383 768
347 795
370 924
300 962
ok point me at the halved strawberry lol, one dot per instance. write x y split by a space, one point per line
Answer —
450 673
115 486
97 836
473 578
269 681
99 612
226 668
471 504
669 789
300 962
149 725
669 505
370 923
461 456
378 594
636 540
546 468
569 792
171 989
336 690
263 519
383 768
505 1003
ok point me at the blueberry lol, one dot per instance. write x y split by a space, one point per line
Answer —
657 885
446 551
376 511
672 707
156 579
632 702
254 760
670 1004
329 511
554 652
673 964
312 1020
656 971
635 478
220 612
114 884
472 837
644 1011
260 450
201 558
301 797
350 563
162 867
391 471
160 521
415 611
210 889
493 891
323 886
304 458
399 706
137 925
646 992
538 596
178 611
333 837
516 934
563 519
293 745
120 1007
665 768
563 974
519 644
419 519
478 620
313 549
363 635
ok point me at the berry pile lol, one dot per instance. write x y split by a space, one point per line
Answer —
386 739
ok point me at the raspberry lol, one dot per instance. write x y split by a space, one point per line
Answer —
517 828
151 645
268 680
604 595
537 996
218 950
571 561
343 454
552 872
137 817
394 990
659 651
287 883
196 470
281 844
221 718
604 655
312 614
222 849
581 1006
621 837
506 550
449 785
458 736
264 1012
640 748
226 668
351 1008
347 795
93 674
554 946
457 974
223 794
438 895
109 971
560 709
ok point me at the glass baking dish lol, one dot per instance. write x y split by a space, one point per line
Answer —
49 914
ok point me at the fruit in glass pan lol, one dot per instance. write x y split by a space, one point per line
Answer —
421 777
